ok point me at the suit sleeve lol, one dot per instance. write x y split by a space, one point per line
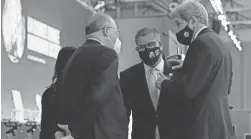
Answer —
195 71
48 128
197 68
126 96
44 119
98 93
69 92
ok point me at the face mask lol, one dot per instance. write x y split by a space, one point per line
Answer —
150 56
185 36
117 45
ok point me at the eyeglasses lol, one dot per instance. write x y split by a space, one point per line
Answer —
117 30
149 45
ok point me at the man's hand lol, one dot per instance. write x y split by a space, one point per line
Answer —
58 135
176 60
179 65
67 137
65 128
161 78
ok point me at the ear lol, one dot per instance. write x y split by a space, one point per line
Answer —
192 22
105 31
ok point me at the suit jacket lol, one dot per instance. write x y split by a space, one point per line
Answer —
174 109
90 100
138 101
206 79
48 124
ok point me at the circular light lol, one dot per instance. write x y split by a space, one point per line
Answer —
239 47
238 42
235 41
224 23
233 37
222 17
230 33
172 6
227 28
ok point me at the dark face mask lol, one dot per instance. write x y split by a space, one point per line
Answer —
150 56
185 36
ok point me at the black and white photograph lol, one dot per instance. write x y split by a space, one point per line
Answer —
125 69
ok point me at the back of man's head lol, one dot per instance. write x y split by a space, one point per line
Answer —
97 22
189 8
103 29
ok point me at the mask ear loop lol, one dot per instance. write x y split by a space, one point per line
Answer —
107 27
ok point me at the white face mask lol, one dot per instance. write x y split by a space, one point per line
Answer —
117 45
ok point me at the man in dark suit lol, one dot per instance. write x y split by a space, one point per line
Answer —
205 76
89 100
141 97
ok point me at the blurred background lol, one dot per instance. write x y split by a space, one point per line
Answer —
33 32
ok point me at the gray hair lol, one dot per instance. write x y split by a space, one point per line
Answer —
97 22
190 8
145 31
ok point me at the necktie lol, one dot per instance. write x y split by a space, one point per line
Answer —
152 88
154 92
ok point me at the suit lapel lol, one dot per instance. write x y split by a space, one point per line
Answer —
143 84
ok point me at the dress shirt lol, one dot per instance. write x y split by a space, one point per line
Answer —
159 67
95 40
152 88
197 33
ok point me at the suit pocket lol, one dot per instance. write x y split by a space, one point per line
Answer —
113 130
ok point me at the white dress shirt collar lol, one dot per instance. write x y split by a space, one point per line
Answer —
95 40
198 32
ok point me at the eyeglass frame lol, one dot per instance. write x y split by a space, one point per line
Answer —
117 30
143 47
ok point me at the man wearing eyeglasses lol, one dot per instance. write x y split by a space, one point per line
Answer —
141 96
88 98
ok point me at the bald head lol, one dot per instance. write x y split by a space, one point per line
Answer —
102 28
99 21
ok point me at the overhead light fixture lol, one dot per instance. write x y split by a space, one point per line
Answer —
86 5
99 5
172 6
217 5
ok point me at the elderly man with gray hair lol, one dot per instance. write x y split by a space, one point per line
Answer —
88 99
206 74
